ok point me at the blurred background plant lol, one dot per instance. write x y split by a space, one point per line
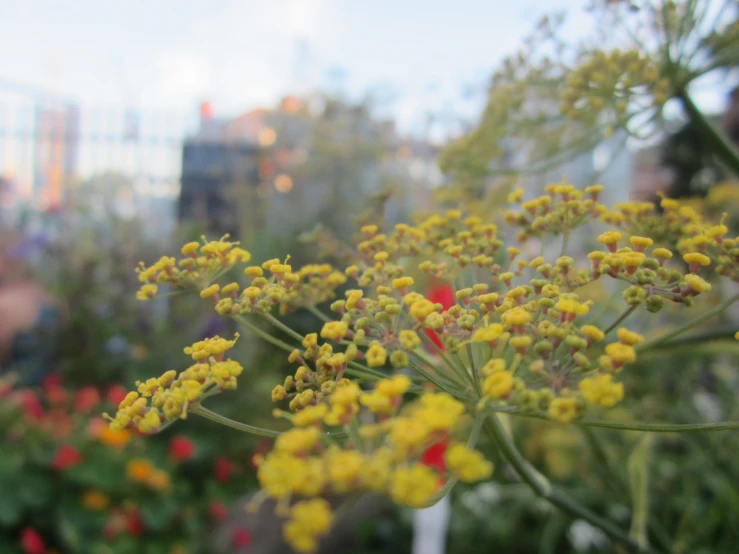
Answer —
70 484
556 99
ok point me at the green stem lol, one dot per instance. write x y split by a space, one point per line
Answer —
202 411
475 376
433 379
318 313
460 372
361 370
623 316
361 375
541 486
662 427
688 326
263 334
618 484
716 139
565 242
643 427
424 360
367 370
277 323
613 478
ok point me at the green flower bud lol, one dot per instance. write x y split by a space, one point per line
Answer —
655 304
399 359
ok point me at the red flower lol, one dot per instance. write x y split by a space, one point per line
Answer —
66 456
434 456
440 293
5 389
217 510
31 405
116 394
115 524
56 395
134 523
241 537
223 469
51 381
32 541
86 399
53 389
181 448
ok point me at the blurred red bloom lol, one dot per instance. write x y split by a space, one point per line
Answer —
134 523
32 541
51 381
31 404
434 456
181 448
86 399
241 537
440 293
116 394
218 510
115 524
223 469
5 389
56 395
66 456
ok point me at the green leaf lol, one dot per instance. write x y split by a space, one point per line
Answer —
9 547
11 508
638 467
157 511
35 490
97 476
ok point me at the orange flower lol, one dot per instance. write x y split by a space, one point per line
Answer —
159 480
95 500
140 470
114 439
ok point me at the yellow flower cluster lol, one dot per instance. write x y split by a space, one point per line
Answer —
200 265
705 245
159 401
309 520
665 224
560 211
385 454
609 81
650 278
315 284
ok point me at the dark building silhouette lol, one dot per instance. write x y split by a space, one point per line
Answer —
211 171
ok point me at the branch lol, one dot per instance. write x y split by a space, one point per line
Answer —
541 486
688 326
631 426
721 145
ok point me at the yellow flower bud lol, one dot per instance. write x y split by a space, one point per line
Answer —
210 291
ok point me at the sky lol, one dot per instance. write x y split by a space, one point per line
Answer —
415 56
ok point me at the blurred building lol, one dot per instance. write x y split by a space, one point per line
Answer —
39 143
56 150
211 169
51 144
306 161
